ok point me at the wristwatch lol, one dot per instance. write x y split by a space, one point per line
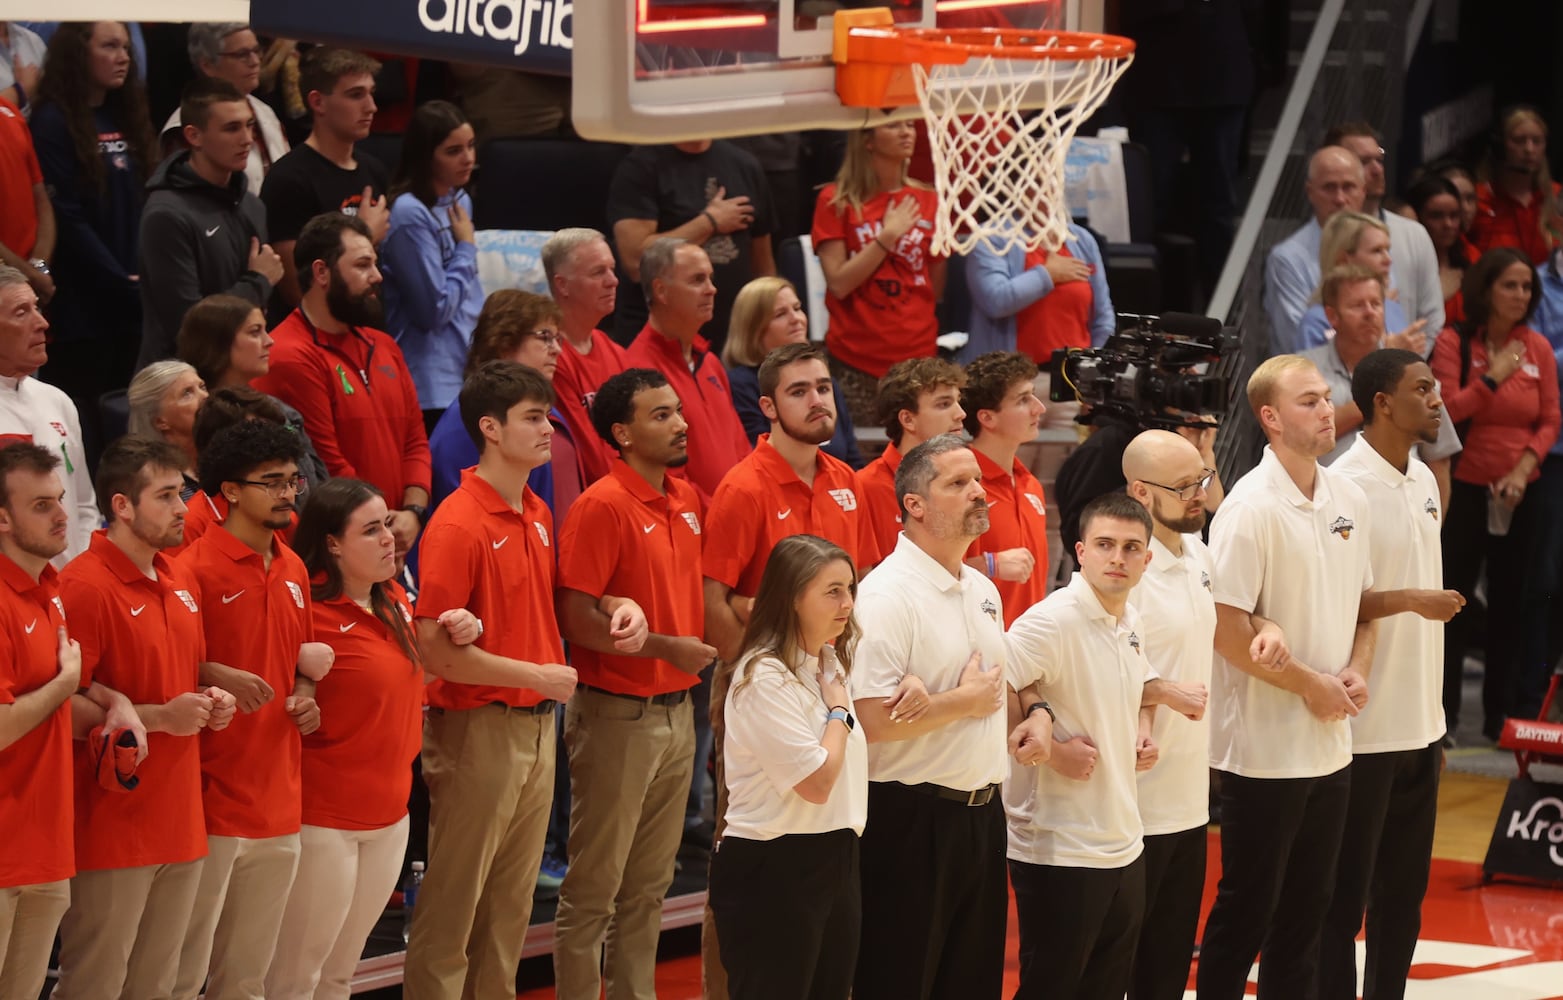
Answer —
1044 706
39 264
843 715
417 510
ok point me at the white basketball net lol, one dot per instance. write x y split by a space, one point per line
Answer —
998 164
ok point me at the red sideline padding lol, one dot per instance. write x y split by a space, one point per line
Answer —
1535 740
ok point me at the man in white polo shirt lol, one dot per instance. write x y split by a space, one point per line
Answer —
1387 847
931 695
1290 544
1075 836
1177 606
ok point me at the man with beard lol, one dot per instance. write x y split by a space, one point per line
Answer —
139 625
1396 747
39 670
348 379
931 691
1290 545
253 592
629 729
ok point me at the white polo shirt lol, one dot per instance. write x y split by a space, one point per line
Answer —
916 618
1303 564
774 721
1406 709
1092 668
1177 603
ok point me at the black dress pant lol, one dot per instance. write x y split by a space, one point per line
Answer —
1280 838
935 898
1385 855
787 915
1174 887
1078 928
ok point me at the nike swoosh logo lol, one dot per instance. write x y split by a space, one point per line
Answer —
136 612
230 598
212 231
501 543
782 515
346 628
649 528
29 629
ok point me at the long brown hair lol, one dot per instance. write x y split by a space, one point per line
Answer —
856 181
773 628
329 507
66 77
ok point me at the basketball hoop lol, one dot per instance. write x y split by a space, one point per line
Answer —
1001 106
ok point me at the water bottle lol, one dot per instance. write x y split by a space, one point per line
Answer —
410 898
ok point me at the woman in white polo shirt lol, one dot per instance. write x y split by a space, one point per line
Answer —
784 877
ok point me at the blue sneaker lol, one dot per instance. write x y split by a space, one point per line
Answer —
550 877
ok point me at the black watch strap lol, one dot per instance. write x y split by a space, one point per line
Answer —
1044 706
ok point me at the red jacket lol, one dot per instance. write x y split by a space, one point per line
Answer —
1503 222
717 441
358 402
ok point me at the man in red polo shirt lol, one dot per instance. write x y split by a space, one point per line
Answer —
581 277
919 398
347 377
488 747
253 592
1003 413
629 728
138 856
39 670
676 276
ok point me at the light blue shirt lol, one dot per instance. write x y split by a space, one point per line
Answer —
1000 287
1291 275
1314 329
1548 320
432 294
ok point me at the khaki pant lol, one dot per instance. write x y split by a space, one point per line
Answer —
29 915
124 930
237 912
344 879
630 766
490 773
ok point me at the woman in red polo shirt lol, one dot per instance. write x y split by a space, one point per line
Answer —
1500 387
1516 198
357 767
873 231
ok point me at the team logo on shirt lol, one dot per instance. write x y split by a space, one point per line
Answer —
297 592
1342 526
846 498
406 614
542 532
1431 508
1134 642
1204 579
60 428
189 602
990 609
1036 504
693 521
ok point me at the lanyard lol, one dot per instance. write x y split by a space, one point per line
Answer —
341 372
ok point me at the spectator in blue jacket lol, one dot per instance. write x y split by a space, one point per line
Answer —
430 258
1034 301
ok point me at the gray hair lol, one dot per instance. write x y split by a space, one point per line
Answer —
561 245
11 276
146 393
206 40
655 262
916 471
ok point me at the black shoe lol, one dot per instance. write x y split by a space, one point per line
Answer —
1449 742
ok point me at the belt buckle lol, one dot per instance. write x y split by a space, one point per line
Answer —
980 796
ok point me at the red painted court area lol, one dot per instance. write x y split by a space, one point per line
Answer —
1502 941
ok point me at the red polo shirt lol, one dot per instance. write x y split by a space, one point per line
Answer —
624 538
142 638
481 554
19 174
35 772
358 402
1503 222
255 618
717 441
358 764
1017 519
877 500
763 501
576 382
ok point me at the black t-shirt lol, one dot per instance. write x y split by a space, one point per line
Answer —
1094 468
673 187
304 184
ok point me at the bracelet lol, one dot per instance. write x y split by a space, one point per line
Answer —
889 251
993 565
1490 382
1044 706
711 219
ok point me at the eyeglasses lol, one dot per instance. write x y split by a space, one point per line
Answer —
244 55
276 488
548 337
1192 490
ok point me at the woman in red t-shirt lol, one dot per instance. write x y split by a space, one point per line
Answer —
1436 202
357 767
1517 200
1500 384
873 232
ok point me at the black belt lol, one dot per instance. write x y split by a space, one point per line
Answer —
543 707
976 797
670 698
